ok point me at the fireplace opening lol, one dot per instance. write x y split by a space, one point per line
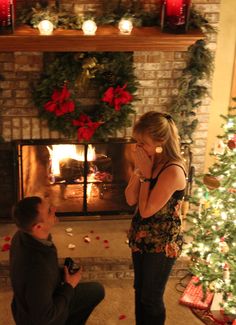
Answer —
79 179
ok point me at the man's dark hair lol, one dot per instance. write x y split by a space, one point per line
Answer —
25 212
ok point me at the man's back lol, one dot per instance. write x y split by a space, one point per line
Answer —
35 277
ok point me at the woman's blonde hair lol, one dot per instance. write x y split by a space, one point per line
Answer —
160 127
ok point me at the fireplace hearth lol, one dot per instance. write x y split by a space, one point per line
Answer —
79 179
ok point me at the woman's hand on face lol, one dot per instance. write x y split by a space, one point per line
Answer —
143 162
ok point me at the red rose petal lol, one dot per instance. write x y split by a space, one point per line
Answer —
107 246
7 238
97 237
6 247
91 231
121 317
105 241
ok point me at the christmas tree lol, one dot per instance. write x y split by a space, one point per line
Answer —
212 231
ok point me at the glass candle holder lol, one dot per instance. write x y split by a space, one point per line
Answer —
89 27
175 16
6 16
125 26
45 27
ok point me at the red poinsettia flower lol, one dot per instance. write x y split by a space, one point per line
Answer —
60 103
86 127
117 96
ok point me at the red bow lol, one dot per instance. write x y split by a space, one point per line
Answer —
86 127
117 97
60 105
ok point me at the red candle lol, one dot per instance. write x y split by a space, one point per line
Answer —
4 12
174 7
6 16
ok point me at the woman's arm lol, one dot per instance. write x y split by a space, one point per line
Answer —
169 181
132 190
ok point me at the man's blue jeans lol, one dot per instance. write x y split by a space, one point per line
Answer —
151 272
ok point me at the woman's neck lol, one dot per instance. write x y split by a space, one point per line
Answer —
159 160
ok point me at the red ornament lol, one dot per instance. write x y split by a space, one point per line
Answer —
60 103
232 143
86 127
122 316
117 96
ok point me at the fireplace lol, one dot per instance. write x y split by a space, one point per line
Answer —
79 179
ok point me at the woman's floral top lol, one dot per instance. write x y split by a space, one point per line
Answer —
160 232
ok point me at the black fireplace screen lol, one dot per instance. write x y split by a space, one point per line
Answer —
79 179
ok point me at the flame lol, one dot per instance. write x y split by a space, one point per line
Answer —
59 152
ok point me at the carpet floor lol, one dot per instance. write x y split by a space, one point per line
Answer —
118 306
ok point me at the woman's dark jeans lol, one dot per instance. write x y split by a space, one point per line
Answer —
151 272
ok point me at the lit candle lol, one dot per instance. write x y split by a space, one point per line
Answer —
89 27
125 26
174 7
45 27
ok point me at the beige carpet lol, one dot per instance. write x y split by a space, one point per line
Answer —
119 302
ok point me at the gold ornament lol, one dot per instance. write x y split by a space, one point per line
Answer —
211 182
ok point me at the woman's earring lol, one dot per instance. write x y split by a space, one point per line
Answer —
159 149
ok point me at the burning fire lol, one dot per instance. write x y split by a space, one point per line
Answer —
63 151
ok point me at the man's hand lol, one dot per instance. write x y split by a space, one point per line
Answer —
72 279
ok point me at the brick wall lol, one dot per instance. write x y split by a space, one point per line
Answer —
157 73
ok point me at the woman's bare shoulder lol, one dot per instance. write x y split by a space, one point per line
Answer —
176 165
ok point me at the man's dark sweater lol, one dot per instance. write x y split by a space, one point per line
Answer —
39 296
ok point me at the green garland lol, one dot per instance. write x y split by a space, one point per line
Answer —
190 92
68 76
199 63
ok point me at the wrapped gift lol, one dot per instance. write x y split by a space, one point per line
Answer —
217 311
193 296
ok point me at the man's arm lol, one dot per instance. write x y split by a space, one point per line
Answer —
45 304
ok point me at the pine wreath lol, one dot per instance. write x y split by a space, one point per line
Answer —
69 79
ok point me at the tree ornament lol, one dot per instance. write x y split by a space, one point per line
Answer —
219 147
211 182
232 143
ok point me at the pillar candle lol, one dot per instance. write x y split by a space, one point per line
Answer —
6 16
174 7
5 13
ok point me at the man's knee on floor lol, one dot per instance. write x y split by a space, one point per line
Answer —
98 291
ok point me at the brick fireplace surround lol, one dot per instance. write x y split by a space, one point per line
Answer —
157 72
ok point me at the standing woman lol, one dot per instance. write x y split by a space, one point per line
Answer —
156 187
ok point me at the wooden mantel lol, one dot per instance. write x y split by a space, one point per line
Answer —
107 38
